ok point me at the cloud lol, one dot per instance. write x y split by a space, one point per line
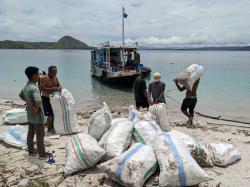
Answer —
168 22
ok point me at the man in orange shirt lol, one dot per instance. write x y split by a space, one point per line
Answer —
49 84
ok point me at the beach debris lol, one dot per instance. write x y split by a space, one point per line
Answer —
116 140
23 182
133 167
197 149
160 110
223 154
101 180
83 152
100 122
56 136
177 167
15 116
64 115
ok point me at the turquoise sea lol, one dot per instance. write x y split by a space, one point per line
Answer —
224 89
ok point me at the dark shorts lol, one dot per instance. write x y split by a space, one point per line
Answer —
47 106
189 103
143 104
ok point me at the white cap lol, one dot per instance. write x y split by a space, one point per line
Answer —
157 76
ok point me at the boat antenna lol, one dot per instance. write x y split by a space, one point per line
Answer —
123 12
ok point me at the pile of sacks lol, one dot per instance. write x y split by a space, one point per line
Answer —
131 149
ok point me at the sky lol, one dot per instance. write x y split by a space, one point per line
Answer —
149 22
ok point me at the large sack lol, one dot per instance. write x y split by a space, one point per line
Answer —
135 115
83 152
116 140
133 167
15 136
177 167
15 116
160 110
188 77
64 116
100 122
224 153
68 96
197 149
145 131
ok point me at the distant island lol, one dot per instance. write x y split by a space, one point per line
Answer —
66 42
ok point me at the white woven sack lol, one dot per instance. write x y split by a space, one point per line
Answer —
224 153
177 167
133 167
197 149
160 110
145 131
15 116
190 75
64 116
83 152
100 122
116 140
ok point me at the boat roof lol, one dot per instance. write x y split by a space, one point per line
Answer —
126 46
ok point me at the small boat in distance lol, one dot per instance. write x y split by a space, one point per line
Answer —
117 65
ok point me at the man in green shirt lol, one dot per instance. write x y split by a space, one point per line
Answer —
141 96
31 95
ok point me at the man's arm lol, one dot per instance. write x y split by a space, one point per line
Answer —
21 95
37 98
178 86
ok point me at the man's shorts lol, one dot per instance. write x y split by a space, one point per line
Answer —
189 103
143 104
47 106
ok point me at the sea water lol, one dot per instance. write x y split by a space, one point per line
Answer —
224 88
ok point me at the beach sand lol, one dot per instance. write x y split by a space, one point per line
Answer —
16 164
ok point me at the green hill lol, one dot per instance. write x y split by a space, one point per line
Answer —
66 42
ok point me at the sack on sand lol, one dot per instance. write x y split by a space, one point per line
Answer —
188 77
224 153
15 136
116 140
64 116
177 167
100 122
83 152
145 132
68 96
133 167
15 116
197 149
161 112
135 115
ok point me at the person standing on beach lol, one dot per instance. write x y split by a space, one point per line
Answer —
49 84
156 90
140 89
190 101
31 95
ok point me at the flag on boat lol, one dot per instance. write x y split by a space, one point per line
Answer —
125 15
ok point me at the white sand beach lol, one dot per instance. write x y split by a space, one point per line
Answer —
16 164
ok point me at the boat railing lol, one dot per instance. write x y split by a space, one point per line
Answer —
104 44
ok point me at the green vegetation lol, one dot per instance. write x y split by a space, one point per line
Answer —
66 42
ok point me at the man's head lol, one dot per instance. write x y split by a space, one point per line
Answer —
143 74
52 71
32 73
157 76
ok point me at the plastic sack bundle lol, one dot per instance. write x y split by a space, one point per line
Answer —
15 136
224 153
64 116
160 110
83 152
177 167
15 116
133 167
197 149
68 96
135 115
188 77
116 140
145 131
100 122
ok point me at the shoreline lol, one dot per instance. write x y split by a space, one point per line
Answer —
15 164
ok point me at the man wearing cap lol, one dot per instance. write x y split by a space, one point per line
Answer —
156 90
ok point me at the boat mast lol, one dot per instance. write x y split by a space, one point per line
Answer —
123 43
